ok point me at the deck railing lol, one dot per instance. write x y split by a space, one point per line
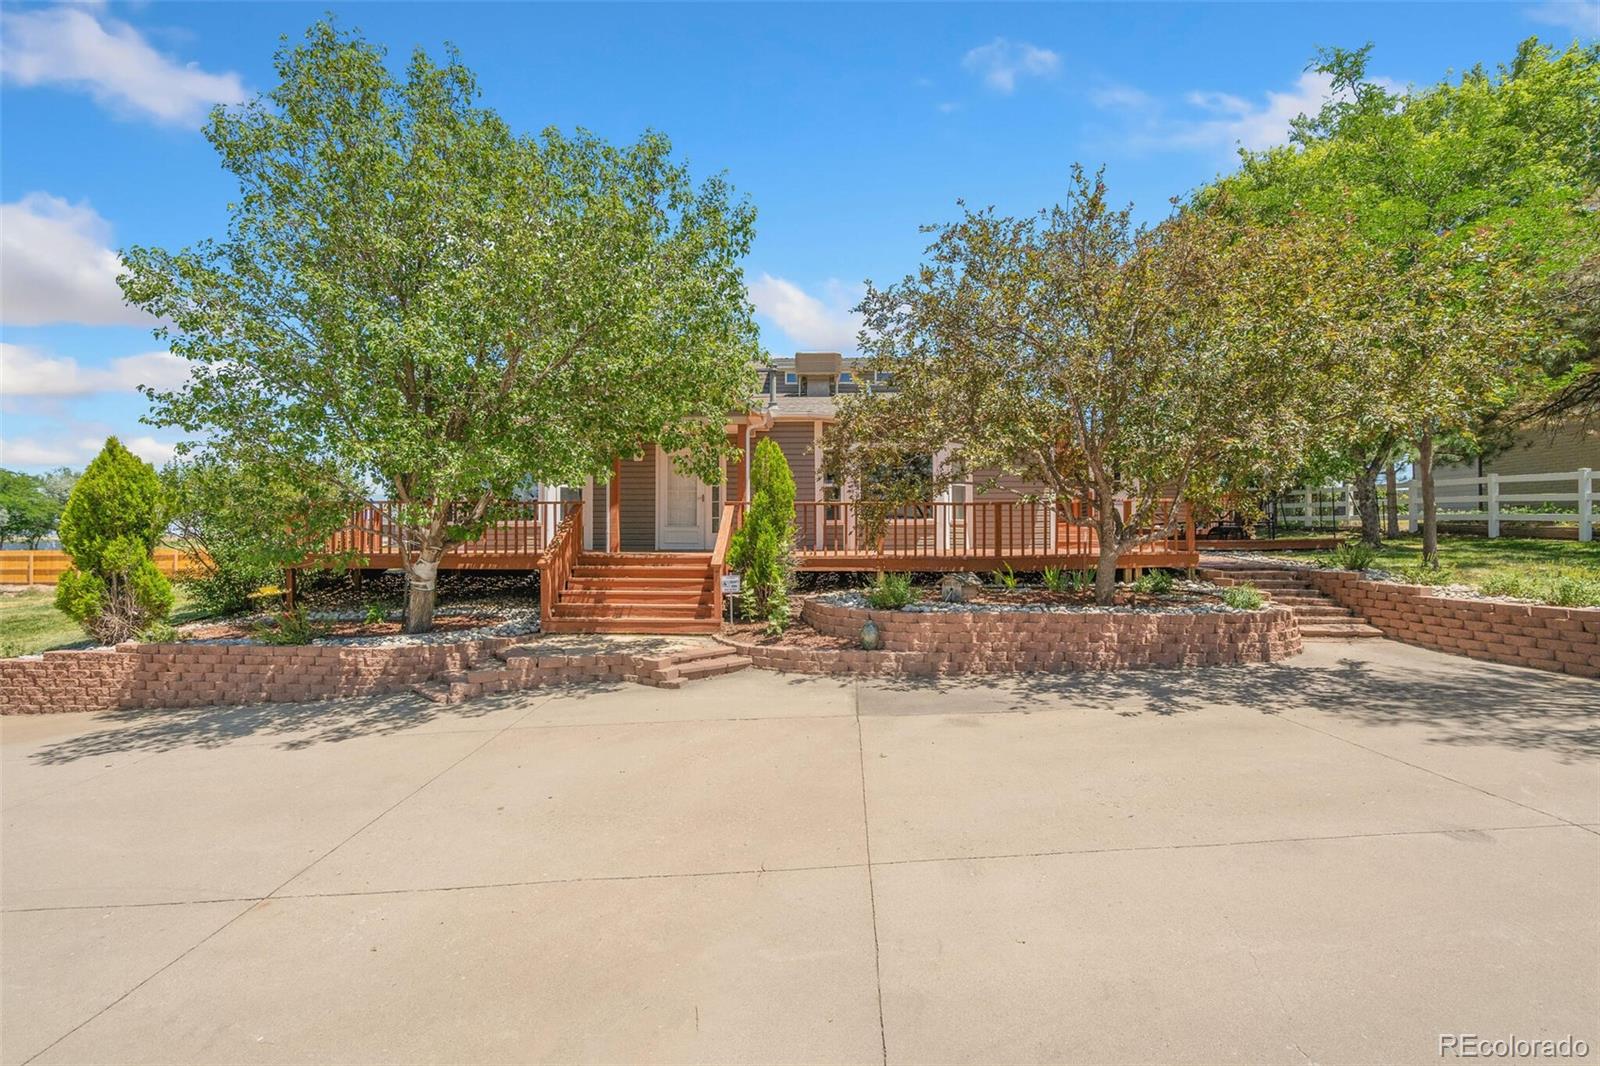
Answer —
522 528
559 557
944 533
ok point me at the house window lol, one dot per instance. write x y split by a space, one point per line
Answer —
881 376
789 378
845 377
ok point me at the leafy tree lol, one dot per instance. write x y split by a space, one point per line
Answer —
1469 193
27 511
1126 366
241 523
762 550
111 524
417 297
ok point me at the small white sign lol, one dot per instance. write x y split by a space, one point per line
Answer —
730 583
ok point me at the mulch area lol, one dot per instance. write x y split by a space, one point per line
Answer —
798 635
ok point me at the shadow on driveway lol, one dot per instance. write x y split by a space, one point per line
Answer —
1464 701
297 725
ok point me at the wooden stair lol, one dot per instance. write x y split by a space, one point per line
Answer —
637 592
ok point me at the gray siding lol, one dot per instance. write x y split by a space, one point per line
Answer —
798 442
639 502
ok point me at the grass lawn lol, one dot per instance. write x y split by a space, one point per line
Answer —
30 623
1553 571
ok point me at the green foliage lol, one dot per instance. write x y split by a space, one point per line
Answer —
375 614
1353 555
1006 577
1153 583
428 301
1109 362
27 509
1244 597
159 633
289 627
1055 579
109 526
1423 574
890 591
242 523
762 550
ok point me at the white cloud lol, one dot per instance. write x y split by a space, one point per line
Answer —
32 452
1120 98
825 324
56 266
70 45
27 371
1582 17
1255 126
1209 119
1001 62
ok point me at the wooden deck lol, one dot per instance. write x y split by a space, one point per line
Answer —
516 540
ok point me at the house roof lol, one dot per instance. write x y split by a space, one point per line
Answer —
802 407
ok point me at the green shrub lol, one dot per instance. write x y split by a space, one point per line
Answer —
1153 583
1422 574
224 521
890 592
1055 579
1006 577
762 551
1354 555
289 627
1244 597
111 523
159 633
376 615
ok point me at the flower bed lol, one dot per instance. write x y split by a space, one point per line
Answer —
931 639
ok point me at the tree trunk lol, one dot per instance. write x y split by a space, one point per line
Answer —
422 574
1430 514
1367 504
1392 499
1105 574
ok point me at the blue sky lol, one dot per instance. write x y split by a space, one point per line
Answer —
847 125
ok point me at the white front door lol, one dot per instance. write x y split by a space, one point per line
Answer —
683 508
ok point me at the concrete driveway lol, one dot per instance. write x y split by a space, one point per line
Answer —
1337 859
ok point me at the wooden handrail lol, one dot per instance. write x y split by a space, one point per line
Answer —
558 560
732 517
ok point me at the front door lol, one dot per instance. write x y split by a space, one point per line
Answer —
683 514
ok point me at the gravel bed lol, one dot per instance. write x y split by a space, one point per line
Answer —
853 598
499 622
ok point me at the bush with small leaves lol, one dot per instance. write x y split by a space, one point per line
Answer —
1244 597
762 551
1153 583
289 627
890 591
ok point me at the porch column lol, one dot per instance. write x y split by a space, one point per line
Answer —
614 508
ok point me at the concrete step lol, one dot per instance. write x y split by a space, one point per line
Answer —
436 691
1338 631
1307 611
725 664
1307 599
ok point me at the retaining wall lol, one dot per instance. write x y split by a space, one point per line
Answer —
194 675
1565 639
997 642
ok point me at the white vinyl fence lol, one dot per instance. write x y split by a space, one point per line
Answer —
1566 496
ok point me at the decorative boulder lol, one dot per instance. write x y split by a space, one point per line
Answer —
871 639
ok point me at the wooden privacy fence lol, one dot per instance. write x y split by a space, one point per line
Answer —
43 566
